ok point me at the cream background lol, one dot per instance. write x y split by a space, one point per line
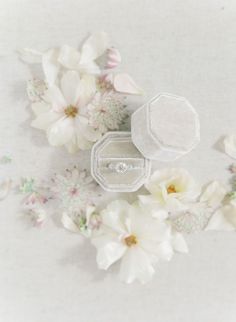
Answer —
183 47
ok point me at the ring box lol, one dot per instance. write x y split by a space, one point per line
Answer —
117 165
165 128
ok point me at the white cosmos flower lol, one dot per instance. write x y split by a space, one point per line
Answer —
63 113
138 239
171 189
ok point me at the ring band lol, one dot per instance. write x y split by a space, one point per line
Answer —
121 167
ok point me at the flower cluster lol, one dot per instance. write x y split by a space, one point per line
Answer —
80 97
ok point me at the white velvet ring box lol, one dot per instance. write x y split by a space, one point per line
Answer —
164 129
117 165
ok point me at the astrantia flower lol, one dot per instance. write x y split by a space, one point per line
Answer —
76 189
196 216
138 239
171 189
107 112
64 116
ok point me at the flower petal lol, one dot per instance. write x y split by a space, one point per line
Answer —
50 65
94 47
40 108
179 243
69 86
61 132
230 145
222 219
213 194
5 187
108 251
69 224
123 83
45 120
69 57
55 97
136 265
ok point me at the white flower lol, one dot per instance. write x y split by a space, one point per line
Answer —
138 239
230 145
107 112
171 189
64 117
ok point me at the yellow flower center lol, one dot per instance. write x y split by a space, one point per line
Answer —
71 111
171 189
131 240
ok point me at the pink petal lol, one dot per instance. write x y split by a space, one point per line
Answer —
123 83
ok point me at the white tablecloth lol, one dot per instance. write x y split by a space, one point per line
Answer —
183 47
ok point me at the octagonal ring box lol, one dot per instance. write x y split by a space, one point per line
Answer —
165 128
117 165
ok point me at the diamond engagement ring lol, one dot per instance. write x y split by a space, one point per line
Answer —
121 167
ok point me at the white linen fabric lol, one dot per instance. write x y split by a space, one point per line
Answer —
182 47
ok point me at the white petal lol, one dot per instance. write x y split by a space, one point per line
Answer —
219 220
136 265
55 97
230 145
69 85
69 57
108 251
69 224
213 194
86 90
94 47
82 142
5 187
40 107
45 120
72 146
30 56
179 243
113 216
123 83
50 65
61 132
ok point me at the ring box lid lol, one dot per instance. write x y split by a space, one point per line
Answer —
165 128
